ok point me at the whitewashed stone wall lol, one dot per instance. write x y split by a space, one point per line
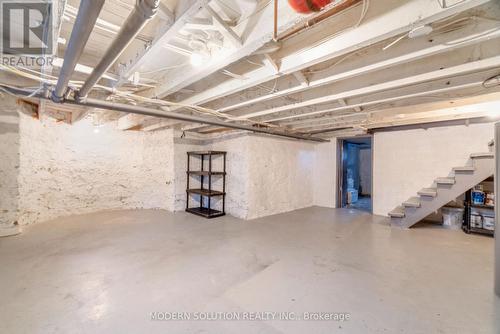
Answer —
51 169
9 161
71 169
181 147
237 180
265 175
280 175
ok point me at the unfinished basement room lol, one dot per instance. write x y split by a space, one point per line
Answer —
249 166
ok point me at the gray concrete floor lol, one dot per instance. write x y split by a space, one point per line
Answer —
364 203
106 273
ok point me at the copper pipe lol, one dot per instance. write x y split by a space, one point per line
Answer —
275 35
316 19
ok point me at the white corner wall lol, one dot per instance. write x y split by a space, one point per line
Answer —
406 161
325 174
71 169
9 162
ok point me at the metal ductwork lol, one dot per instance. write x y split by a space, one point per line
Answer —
143 11
86 18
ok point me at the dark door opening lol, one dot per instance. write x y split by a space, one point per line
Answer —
355 173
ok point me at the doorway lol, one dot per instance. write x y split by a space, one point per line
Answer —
355 173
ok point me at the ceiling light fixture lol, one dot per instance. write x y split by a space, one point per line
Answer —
420 31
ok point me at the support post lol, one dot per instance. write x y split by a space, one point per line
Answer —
497 208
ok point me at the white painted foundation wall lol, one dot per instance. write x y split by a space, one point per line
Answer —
265 175
406 161
325 174
53 169
281 174
9 162
74 169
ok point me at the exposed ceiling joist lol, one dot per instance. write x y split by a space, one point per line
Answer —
270 62
388 24
183 12
405 94
473 66
462 108
225 28
406 52
301 78
255 34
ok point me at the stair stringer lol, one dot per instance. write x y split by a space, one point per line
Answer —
446 193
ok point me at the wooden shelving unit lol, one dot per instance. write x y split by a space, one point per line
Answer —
205 194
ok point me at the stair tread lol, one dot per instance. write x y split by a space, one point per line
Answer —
398 212
464 169
482 155
413 202
428 192
445 180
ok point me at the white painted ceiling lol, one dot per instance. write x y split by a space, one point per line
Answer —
362 68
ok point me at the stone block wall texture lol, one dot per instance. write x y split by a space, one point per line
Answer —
280 175
75 169
9 161
265 175
50 169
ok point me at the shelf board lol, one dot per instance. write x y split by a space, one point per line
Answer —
205 173
205 192
206 152
481 230
480 206
205 212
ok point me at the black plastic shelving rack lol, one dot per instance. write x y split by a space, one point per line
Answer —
205 209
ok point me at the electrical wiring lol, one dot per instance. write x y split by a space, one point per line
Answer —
472 38
334 64
162 69
463 20
255 12
494 79
254 63
442 4
397 40
271 90
116 94
220 2
234 75
364 11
